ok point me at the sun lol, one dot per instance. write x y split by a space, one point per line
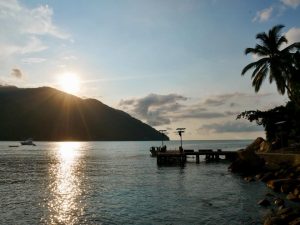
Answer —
69 82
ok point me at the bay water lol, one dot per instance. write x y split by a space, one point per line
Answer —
119 183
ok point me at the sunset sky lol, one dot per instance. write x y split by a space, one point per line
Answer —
169 63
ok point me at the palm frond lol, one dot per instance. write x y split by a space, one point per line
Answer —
250 50
259 78
263 37
282 40
248 67
260 64
291 47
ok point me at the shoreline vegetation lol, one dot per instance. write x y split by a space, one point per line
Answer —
276 160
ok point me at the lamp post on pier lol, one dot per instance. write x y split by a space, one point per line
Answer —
180 131
162 136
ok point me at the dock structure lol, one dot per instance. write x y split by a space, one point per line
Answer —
180 157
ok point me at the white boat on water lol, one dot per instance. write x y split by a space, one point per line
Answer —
28 142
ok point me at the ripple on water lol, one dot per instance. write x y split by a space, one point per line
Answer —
118 183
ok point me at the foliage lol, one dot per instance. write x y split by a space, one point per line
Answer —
279 122
280 65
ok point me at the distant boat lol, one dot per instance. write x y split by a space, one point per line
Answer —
28 142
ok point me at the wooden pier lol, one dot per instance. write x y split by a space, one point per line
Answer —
177 157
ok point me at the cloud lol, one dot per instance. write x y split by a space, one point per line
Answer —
293 35
230 127
154 108
33 60
17 73
263 15
291 3
158 110
22 28
29 45
36 21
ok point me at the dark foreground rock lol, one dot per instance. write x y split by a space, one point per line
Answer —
248 162
283 177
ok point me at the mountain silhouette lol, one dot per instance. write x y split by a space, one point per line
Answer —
51 115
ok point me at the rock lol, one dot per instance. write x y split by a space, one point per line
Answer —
267 176
249 179
277 184
274 221
289 216
295 221
291 175
286 188
292 197
255 145
248 162
259 176
272 166
279 202
284 211
264 202
265 146
296 191
269 194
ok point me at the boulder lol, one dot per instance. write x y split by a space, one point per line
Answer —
264 202
279 202
274 221
265 146
296 191
267 176
248 162
292 197
284 211
284 185
249 152
295 221
249 179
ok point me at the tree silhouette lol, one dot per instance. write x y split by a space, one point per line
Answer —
280 65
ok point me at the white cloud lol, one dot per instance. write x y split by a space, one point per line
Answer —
263 15
23 28
291 3
33 60
37 21
293 35
30 45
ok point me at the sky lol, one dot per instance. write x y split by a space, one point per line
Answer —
169 63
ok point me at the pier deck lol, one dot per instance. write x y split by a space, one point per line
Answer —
174 156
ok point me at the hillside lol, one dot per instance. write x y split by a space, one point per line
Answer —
49 114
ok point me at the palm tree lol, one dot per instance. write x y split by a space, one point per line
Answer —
278 64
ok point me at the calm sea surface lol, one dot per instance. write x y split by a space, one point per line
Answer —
119 183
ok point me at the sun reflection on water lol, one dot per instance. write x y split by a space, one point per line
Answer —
66 178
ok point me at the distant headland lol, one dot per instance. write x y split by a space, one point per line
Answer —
48 114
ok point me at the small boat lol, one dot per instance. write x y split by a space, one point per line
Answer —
13 146
28 142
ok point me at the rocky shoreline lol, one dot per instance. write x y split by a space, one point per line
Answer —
282 178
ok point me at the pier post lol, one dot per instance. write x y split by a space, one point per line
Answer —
197 159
